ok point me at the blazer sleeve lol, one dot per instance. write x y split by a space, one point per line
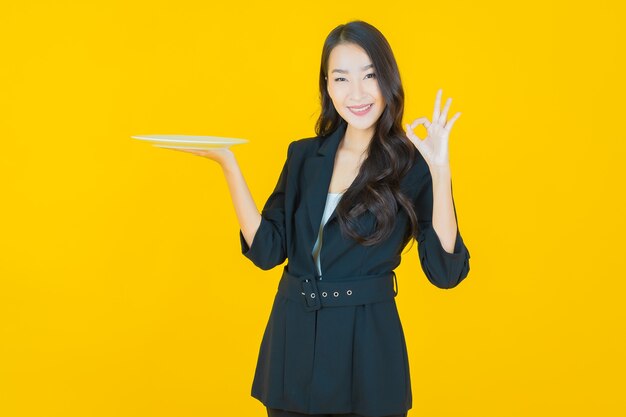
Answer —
269 245
443 269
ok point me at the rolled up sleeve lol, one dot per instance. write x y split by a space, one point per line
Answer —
269 245
443 269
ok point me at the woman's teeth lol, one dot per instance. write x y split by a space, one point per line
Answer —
360 110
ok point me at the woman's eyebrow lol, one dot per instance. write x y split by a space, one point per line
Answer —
345 71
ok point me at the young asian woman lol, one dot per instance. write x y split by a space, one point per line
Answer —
346 203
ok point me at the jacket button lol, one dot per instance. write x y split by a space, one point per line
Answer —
349 292
336 294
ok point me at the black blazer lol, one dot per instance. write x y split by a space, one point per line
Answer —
349 359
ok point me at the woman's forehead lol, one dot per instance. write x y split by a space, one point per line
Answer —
349 57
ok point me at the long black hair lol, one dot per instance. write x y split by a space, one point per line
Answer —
390 154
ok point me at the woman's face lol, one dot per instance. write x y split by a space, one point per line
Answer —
352 85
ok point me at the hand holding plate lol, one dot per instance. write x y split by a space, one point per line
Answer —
219 155
211 147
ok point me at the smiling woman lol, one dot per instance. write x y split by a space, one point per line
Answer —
334 345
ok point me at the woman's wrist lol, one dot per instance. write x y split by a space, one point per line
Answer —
440 171
229 163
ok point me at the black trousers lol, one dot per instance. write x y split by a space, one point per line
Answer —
274 412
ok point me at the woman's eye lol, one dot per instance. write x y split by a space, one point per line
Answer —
371 73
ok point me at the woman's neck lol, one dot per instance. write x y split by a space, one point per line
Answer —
357 140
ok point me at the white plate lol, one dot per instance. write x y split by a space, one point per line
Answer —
189 141
197 146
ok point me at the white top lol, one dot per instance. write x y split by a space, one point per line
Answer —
331 202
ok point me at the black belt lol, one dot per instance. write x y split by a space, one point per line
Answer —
353 290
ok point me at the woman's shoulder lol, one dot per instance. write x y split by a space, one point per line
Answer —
305 145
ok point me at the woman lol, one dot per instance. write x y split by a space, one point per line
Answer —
346 203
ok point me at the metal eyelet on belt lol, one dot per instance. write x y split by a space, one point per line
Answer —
349 292
336 294
312 295
324 294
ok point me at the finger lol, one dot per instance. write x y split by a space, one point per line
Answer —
411 134
420 147
451 121
418 122
444 113
437 106
417 141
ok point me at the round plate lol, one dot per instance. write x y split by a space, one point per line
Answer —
189 141
197 146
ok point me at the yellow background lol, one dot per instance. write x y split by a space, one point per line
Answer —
123 291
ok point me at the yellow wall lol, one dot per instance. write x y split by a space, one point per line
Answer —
117 259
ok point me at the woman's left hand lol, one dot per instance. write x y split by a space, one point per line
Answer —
434 148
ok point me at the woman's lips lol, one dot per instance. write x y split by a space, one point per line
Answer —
361 110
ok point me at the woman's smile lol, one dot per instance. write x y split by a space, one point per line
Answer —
362 110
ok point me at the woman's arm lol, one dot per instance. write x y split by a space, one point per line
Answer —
443 254
262 235
443 268
247 213
444 221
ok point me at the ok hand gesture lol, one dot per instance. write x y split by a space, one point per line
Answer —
434 148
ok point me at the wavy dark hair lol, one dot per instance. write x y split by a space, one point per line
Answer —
391 154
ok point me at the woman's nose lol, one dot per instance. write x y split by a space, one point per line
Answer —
357 91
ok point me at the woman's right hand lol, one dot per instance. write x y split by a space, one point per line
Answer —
219 155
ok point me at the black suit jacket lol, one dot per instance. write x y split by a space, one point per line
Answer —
339 359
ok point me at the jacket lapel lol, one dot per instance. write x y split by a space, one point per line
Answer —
318 172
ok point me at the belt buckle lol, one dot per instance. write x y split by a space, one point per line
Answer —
310 293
